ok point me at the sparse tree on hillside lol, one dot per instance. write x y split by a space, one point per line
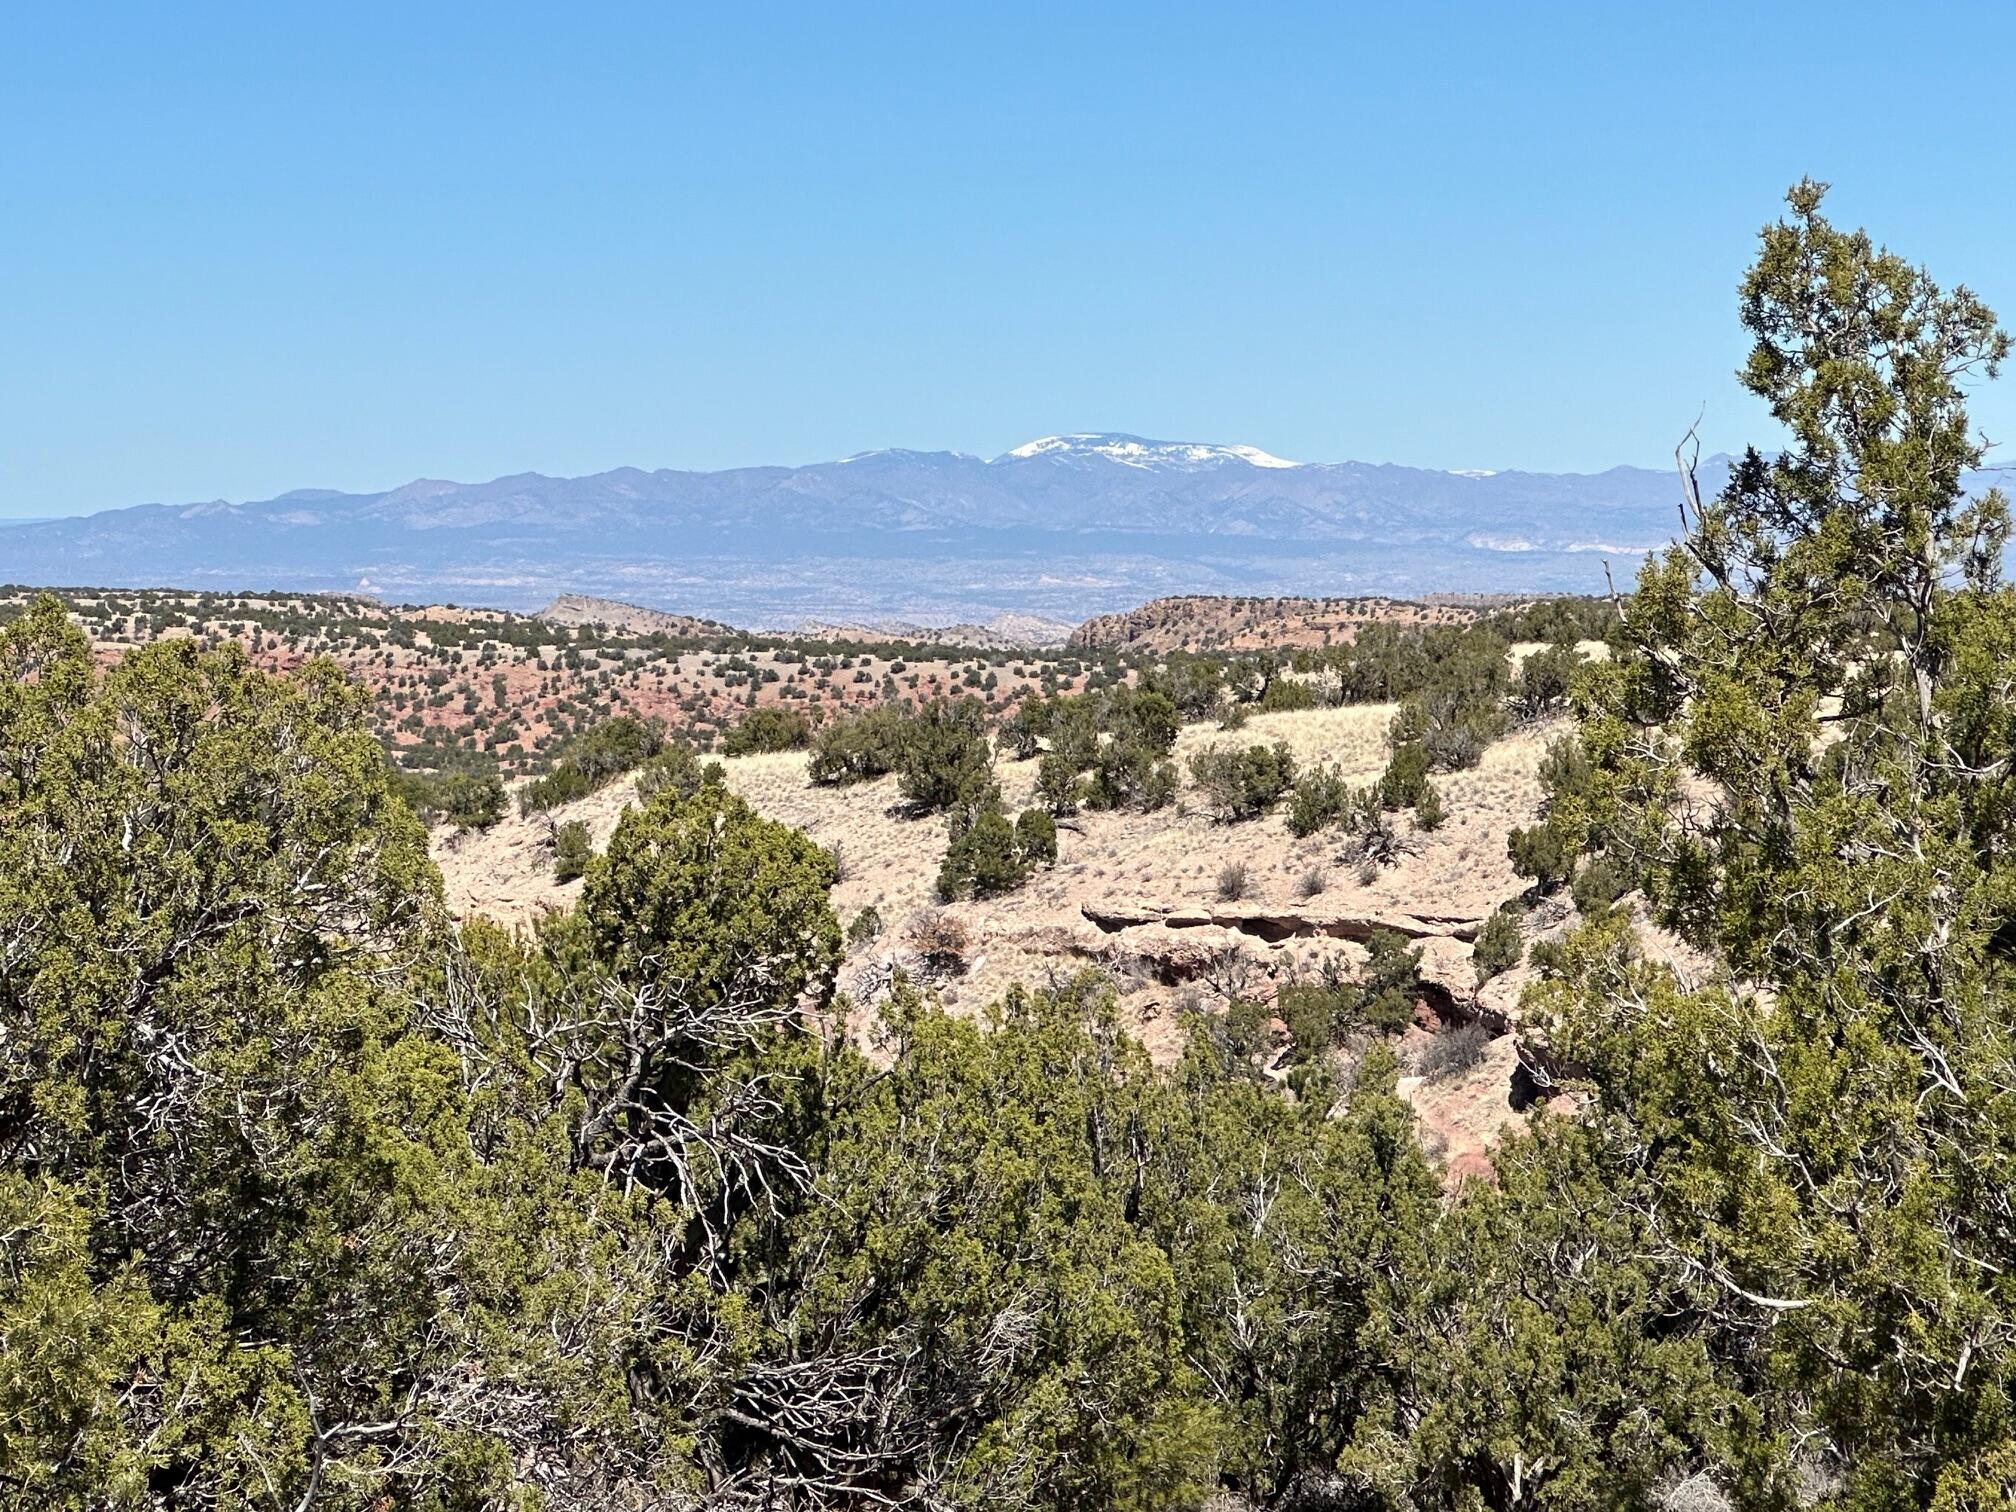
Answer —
946 762
573 849
767 729
702 892
1241 784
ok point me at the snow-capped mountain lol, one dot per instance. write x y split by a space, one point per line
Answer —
1133 451
1065 525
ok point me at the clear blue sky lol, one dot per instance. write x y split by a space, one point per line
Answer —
252 248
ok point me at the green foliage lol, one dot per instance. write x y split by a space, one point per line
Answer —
1128 773
1127 768
1242 784
1318 1015
1057 784
1405 780
593 760
1817 1172
1546 851
766 730
1321 798
1073 727
1020 734
1500 945
1391 979
466 799
1322 1013
859 747
1557 621
702 892
675 769
1568 1382
69 1349
1457 735
865 928
1192 684
946 763
988 855
1150 719
1565 771
1544 679
1428 812
1452 682
1455 687
572 850
232 1165
1132 1386
1036 836
983 859
1541 852
1286 695
1599 882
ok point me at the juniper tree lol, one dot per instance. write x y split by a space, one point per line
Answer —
253 1248
1807 752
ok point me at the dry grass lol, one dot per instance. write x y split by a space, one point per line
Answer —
1172 857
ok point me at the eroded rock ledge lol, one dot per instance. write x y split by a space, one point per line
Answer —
1273 923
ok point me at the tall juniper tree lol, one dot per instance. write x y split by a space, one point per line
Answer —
1806 754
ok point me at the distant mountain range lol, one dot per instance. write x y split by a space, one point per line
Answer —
1066 526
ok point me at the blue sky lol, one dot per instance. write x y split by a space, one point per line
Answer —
244 249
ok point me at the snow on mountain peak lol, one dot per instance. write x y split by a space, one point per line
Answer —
1133 451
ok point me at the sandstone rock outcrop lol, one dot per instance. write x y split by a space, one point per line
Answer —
1274 923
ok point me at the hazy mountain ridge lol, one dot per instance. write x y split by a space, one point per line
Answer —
1062 527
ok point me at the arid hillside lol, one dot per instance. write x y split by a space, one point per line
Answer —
611 614
1205 623
1140 896
455 685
